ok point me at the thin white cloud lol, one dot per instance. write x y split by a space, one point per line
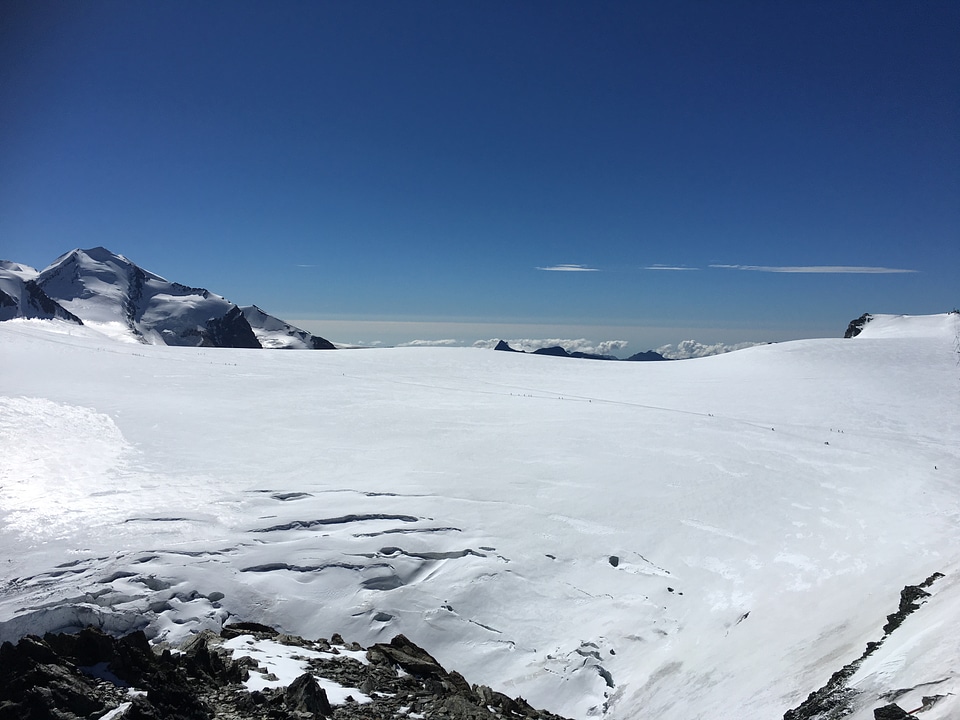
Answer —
606 347
822 269
429 343
568 268
305 266
687 349
669 267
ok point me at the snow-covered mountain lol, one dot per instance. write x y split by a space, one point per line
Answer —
113 295
274 333
713 538
21 297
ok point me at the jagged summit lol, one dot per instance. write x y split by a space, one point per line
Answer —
114 295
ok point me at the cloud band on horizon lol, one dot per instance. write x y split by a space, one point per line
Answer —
823 269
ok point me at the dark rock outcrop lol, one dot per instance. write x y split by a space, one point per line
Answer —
856 326
85 675
231 330
305 695
835 699
908 602
503 346
892 712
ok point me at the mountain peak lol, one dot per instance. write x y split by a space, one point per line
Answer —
114 295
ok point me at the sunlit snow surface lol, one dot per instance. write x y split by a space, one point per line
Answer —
704 538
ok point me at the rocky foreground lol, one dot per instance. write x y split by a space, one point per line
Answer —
93 675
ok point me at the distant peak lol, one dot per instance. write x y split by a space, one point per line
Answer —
856 326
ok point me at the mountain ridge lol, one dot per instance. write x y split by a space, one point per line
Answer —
110 293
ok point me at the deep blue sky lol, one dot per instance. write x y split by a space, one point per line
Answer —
426 161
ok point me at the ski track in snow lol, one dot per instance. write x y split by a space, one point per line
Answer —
708 538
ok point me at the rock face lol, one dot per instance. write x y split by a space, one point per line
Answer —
855 326
85 675
892 712
22 297
835 699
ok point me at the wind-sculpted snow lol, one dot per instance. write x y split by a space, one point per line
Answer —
706 538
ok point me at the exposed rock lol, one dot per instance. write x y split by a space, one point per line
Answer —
892 712
231 330
835 699
502 345
908 602
305 695
87 674
856 326
242 628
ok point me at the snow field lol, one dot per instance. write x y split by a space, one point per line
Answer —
706 538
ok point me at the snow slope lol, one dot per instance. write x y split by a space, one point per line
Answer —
274 333
710 538
910 326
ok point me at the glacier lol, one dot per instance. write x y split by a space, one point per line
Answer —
708 538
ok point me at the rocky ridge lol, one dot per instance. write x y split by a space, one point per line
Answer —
93 675
835 700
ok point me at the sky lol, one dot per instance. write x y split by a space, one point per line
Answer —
382 172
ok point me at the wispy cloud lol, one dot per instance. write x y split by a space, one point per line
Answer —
692 349
305 266
669 267
429 343
822 269
568 268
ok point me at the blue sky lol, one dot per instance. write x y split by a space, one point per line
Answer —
427 166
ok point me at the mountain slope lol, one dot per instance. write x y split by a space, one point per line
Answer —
272 332
113 294
21 297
